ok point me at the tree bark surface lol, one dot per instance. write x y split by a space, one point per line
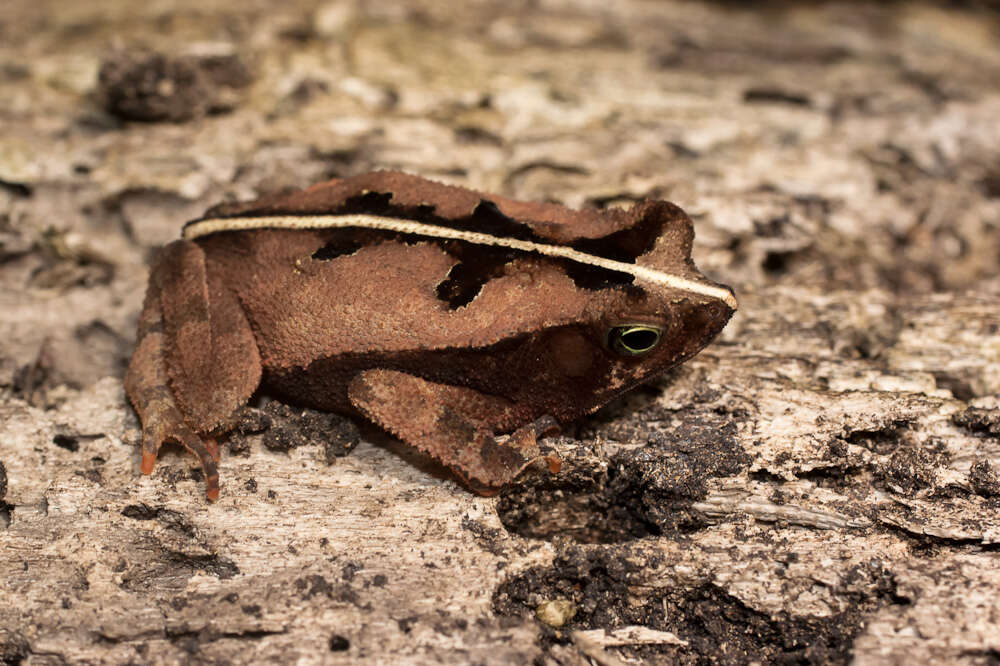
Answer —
820 485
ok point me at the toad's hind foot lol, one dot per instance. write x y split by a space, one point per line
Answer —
206 450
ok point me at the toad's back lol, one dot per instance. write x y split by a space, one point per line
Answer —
306 299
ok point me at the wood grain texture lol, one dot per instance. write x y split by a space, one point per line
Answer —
821 484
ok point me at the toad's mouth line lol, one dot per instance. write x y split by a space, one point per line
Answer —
208 226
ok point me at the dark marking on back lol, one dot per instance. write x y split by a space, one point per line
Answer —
468 277
485 219
627 244
595 278
340 247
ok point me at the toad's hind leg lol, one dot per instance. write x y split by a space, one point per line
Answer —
195 360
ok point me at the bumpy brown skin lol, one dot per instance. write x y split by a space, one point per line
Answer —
355 322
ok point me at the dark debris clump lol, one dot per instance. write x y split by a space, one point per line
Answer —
983 478
286 427
152 87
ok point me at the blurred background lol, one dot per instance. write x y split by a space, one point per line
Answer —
841 145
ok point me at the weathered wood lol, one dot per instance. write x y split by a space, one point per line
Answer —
820 485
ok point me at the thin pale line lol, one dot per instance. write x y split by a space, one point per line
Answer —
213 225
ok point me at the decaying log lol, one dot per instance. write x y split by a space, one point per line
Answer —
821 485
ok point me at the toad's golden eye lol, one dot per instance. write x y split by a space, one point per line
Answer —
634 339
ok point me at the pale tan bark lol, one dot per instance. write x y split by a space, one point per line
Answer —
819 483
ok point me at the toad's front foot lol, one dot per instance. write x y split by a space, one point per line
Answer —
509 457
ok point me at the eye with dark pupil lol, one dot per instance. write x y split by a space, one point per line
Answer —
633 340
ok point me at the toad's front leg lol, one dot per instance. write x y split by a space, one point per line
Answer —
456 425
195 360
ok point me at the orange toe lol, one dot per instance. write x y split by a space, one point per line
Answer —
212 488
148 462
